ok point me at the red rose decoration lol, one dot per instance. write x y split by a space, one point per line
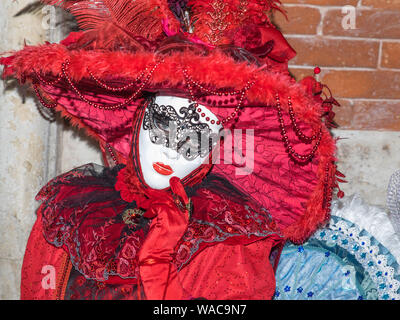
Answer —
129 186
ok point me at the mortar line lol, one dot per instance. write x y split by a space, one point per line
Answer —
331 37
334 68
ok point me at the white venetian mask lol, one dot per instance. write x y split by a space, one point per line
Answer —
174 139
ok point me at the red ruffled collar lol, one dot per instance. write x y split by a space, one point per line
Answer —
83 213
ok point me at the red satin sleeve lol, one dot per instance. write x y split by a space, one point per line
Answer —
41 262
231 272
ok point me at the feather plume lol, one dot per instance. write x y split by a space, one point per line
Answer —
109 20
30 8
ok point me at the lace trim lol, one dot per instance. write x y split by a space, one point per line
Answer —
393 200
84 214
376 260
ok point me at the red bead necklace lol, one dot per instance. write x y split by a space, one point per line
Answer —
121 88
49 83
114 106
297 130
327 189
41 100
289 148
112 153
240 93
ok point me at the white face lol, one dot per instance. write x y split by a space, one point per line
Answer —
160 163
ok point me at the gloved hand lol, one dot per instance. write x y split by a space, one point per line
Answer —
170 215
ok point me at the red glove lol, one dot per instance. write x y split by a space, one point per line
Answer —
158 275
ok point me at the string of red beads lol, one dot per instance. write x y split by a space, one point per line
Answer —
41 100
112 153
121 88
241 93
114 106
49 83
192 82
327 190
297 130
289 148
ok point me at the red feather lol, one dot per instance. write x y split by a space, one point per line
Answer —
113 21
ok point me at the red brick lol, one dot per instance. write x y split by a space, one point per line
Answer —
300 73
363 84
390 55
335 52
344 114
382 4
301 20
368 115
369 24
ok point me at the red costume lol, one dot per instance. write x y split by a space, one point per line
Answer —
215 234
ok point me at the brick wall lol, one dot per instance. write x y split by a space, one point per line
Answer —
361 66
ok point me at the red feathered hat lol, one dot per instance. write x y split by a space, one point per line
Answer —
225 55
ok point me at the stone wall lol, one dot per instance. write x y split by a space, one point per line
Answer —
25 151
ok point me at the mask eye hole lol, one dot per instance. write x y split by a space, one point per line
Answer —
161 121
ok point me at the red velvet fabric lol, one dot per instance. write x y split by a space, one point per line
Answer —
219 272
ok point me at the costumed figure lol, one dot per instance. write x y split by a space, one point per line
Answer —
214 155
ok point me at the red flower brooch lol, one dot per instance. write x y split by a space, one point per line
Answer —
129 187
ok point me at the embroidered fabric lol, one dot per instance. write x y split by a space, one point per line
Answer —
230 220
375 220
84 214
342 261
219 272
231 272
80 288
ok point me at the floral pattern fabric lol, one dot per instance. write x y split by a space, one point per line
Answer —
84 214
339 262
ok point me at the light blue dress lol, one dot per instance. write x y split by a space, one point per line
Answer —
339 262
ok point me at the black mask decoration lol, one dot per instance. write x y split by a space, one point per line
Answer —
182 132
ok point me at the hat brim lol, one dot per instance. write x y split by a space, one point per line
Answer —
296 195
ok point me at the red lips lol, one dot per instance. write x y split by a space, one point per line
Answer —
162 168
